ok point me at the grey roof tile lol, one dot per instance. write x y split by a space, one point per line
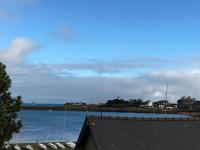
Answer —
122 134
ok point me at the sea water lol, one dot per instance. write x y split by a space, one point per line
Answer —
45 126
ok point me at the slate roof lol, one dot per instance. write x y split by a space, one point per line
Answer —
143 134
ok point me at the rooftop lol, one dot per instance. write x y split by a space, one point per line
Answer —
123 133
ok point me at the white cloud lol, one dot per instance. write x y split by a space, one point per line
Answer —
113 66
18 50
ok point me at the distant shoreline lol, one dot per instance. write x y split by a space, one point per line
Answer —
98 109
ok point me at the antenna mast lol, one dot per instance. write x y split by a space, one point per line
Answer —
166 103
167 92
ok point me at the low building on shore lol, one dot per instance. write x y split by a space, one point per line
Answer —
160 104
171 106
122 133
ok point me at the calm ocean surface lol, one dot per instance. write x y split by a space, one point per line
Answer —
47 126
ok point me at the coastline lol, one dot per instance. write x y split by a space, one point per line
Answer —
103 109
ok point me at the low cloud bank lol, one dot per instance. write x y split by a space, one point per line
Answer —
42 83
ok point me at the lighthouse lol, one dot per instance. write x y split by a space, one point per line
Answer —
33 104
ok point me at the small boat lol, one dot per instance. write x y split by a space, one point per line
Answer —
61 146
71 144
7 146
42 146
53 146
17 147
29 147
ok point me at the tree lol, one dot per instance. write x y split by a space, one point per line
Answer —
116 101
138 102
9 122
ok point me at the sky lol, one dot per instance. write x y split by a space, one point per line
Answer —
93 51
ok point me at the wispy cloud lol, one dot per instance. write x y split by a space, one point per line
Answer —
114 66
18 50
64 33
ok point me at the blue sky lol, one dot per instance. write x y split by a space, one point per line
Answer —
126 39
107 29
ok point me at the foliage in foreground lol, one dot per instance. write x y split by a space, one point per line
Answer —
9 123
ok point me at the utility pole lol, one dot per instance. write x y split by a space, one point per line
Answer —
166 97
167 92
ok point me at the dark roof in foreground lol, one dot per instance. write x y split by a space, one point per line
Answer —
119 133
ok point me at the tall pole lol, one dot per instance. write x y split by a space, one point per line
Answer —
166 97
167 92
